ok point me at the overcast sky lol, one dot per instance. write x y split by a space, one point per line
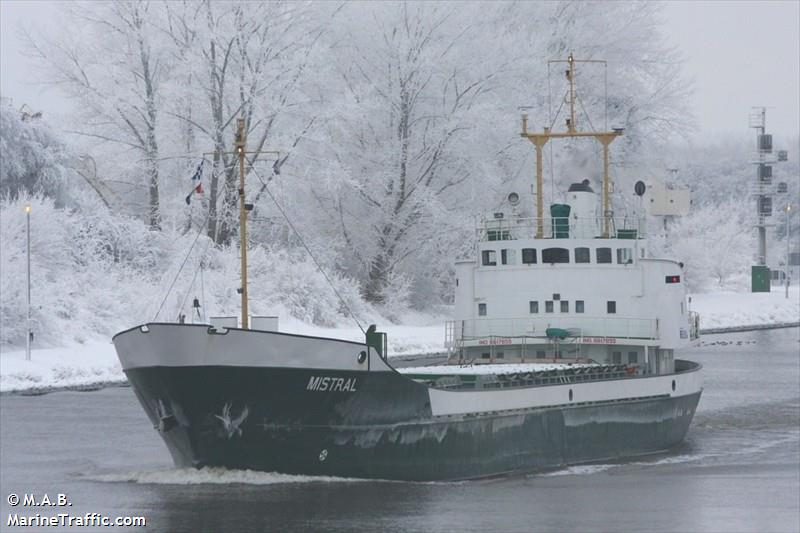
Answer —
739 53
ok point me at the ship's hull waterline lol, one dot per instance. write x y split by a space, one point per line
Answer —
372 422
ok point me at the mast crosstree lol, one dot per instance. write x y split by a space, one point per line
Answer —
539 140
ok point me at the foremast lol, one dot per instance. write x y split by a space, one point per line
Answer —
241 152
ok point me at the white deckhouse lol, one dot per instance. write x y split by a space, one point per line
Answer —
573 287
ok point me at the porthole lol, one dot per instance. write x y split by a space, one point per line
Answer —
570 394
362 356
673 385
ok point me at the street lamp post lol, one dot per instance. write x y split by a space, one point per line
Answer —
28 336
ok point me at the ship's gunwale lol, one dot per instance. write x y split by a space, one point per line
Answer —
695 366
248 330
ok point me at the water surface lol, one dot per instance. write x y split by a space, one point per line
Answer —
739 469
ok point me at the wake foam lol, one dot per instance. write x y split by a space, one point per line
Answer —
212 476
579 470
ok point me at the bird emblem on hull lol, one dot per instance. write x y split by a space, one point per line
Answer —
166 420
231 426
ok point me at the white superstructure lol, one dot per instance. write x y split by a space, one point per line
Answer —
571 295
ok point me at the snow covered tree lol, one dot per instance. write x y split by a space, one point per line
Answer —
108 60
245 60
409 97
426 123
34 161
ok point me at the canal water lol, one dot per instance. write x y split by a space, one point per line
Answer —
738 470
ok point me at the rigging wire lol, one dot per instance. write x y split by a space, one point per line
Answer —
550 147
552 119
605 84
194 277
185 259
308 250
585 113
202 292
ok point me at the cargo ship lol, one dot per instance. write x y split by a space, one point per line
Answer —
560 351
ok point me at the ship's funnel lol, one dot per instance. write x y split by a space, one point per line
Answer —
585 219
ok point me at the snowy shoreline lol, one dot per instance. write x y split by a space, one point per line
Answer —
94 365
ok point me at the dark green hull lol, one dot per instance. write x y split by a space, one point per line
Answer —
380 425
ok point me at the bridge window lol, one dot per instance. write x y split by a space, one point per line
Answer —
489 258
624 256
548 306
603 255
534 306
498 235
611 307
528 256
508 256
555 255
481 309
565 306
582 255
579 306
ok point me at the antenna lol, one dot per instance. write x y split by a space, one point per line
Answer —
539 140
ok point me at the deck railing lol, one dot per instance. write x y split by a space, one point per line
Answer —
458 331
504 229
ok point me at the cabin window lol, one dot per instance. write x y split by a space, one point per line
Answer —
624 256
500 355
486 355
548 306
481 309
565 306
489 258
582 255
529 256
555 255
540 354
603 255
498 235
616 358
611 307
508 256
534 306
633 357
579 306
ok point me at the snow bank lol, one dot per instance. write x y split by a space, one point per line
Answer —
73 366
96 362
730 309
419 333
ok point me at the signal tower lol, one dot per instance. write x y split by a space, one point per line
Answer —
763 191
